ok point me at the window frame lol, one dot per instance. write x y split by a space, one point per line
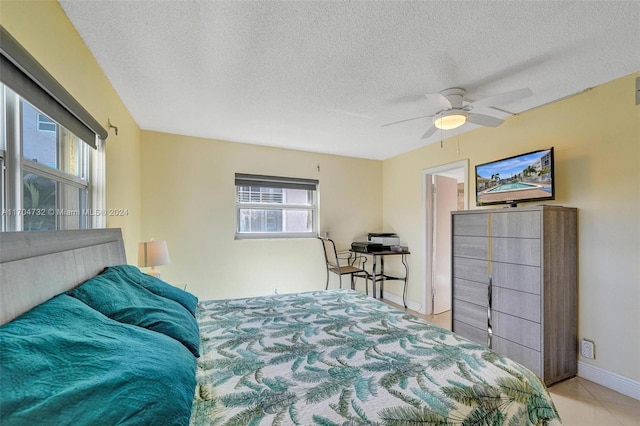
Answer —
283 183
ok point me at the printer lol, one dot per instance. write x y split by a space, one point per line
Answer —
366 247
387 239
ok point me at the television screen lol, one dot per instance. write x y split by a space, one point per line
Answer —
524 177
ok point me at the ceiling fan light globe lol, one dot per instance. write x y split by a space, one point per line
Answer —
449 121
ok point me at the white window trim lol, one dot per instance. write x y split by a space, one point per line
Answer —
29 166
97 197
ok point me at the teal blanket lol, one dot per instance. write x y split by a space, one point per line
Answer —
63 363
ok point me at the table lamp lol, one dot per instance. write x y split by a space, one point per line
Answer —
153 253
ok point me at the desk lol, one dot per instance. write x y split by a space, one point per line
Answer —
380 276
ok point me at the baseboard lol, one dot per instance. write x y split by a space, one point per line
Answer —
398 301
613 381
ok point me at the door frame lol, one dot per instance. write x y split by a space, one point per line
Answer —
428 214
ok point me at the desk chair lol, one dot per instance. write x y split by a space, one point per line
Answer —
333 265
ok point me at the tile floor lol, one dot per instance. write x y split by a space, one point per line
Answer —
580 402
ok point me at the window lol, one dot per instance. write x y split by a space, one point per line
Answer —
45 124
275 207
51 178
53 173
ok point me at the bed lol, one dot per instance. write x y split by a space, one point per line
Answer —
87 339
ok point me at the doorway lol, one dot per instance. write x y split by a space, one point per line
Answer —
445 189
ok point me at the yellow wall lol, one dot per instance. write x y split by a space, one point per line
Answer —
596 136
46 32
188 199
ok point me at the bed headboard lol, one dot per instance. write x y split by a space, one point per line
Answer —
35 266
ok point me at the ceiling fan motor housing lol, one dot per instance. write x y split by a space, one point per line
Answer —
455 96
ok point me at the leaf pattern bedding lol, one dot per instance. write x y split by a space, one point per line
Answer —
341 358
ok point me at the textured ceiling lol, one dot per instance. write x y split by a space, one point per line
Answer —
323 76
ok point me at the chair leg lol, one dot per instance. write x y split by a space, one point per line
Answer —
327 286
353 282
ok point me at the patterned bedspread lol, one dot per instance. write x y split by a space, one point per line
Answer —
341 358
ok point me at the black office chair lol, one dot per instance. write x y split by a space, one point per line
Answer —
333 265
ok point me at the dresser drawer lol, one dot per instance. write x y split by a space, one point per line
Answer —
470 224
524 332
471 269
525 356
469 313
516 277
516 224
474 247
471 291
472 333
523 251
516 303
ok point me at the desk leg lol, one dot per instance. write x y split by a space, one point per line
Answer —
406 280
373 276
381 277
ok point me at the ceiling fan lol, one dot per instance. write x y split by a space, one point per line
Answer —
454 112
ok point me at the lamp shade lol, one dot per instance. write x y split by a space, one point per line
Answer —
153 253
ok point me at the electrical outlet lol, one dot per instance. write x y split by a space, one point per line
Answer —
588 349
275 290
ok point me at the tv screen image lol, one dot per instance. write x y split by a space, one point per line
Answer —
524 177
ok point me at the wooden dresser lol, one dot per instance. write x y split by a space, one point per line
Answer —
514 285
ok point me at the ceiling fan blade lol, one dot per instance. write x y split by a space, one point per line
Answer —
429 132
408 119
484 120
502 98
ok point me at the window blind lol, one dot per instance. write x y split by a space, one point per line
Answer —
276 182
23 74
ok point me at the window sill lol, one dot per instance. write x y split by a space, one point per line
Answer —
274 235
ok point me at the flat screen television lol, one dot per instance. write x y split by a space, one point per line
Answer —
524 177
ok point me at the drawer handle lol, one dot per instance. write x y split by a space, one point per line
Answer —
489 324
